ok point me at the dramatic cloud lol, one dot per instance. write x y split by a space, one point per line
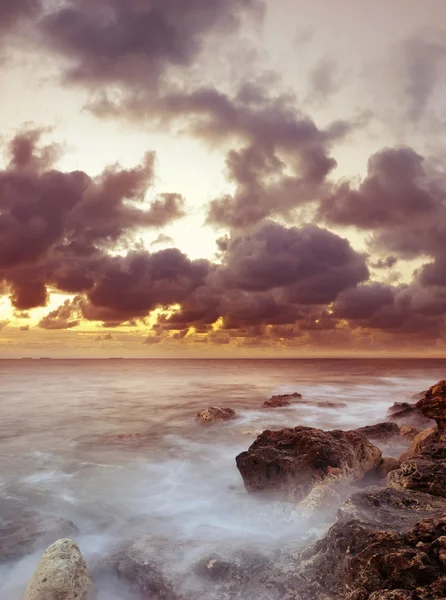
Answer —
401 202
55 226
116 41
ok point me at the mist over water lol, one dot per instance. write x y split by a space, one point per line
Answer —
113 446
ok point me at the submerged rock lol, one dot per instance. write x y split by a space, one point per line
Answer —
27 533
433 405
61 575
215 414
290 462
380 431
282 400
330 404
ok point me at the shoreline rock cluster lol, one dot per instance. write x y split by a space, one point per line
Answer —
387 542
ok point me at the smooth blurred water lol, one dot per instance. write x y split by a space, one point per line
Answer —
113 445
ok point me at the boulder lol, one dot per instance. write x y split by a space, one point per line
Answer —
215 414
380 431
282 400
387 465
61 575
395 510
416 443
27 533
433 405
357 561
290 462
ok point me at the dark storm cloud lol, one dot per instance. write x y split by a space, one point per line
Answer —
49 216
12 11
134 285
273 256
271 275
116 41
400 202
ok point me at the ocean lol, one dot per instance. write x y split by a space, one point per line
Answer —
114 447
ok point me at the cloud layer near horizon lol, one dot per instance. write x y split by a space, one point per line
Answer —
288 270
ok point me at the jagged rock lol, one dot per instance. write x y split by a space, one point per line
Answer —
290 462
380 431
61 575
215 414
322 498
387 465
421 474
386 508
418 395
433 405
355 561
416 443
26 533
282 400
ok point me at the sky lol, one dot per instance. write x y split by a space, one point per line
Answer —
222 178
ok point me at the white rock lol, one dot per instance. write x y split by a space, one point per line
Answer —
61 575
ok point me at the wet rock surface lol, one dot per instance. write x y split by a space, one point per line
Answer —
27 533
282 400
290 462
396 510
358 562
61 575
216 414
433 404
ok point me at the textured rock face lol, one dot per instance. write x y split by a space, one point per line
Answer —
386 508
420 474
425 470
290 462
60 575
282 400
433 405
357 562
417 441
381 431
26 534
215 414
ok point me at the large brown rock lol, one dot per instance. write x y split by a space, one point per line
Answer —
282 400
356 561
61 575
433 405
290 462
216 414
25 534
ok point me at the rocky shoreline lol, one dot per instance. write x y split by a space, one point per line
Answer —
387 539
